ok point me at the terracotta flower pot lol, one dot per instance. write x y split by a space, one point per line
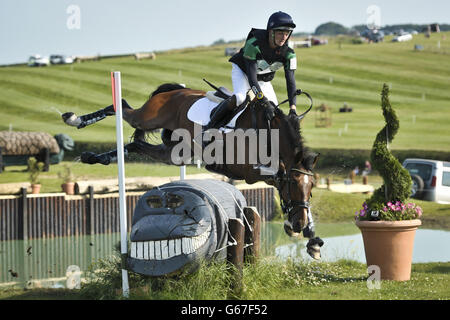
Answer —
389 245
68 188
35 188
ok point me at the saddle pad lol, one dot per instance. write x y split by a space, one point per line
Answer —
200 112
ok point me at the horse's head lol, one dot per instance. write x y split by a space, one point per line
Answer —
294 184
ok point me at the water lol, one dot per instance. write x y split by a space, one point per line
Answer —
429 246
55 109
47 262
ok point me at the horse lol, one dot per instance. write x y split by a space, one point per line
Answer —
167 108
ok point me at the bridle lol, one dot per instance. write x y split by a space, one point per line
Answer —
288 206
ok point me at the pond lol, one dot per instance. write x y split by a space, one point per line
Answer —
49 262
428 245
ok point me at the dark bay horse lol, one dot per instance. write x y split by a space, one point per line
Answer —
167 109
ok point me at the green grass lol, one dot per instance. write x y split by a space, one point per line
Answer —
266 280
333 74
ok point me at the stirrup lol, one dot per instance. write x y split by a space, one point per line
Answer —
198 143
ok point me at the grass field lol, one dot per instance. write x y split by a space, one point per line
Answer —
267 280
30 98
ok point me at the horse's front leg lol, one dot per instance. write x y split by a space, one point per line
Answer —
314 243
102 158
73 120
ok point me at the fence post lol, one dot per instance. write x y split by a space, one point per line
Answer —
22 221
235 255
252 238
1 160
89 210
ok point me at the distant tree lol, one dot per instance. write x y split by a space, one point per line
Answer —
331 28
220 41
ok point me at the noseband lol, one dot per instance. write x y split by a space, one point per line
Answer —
289 205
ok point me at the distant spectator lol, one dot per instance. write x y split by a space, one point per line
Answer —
367 169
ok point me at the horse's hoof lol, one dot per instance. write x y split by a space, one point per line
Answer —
313 247
93 158
289 230
314 251
89 158
71 119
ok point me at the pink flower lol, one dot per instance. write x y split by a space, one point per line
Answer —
419 211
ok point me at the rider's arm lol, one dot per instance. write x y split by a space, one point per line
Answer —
250 66
289 73
291 88
251 52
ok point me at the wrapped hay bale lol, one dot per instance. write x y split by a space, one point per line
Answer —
27 143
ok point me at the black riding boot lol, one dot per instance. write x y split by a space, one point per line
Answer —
224 108
218 117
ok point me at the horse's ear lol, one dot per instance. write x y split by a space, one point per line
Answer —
310 161
298 155
282 167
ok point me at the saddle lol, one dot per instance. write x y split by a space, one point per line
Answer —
220 94
223 93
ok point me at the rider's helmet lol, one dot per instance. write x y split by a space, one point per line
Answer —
280 21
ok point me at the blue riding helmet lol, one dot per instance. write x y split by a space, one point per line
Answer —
280 21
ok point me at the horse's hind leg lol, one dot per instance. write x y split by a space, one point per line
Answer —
82 121
159 153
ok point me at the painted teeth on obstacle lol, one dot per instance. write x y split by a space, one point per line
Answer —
166 249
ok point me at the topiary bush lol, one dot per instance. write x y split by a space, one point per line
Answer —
397 180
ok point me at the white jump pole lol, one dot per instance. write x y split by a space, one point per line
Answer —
117 101
183 167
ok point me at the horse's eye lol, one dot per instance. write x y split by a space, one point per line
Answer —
154 202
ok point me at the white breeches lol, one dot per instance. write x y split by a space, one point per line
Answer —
241 86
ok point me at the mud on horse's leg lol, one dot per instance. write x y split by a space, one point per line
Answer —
73 120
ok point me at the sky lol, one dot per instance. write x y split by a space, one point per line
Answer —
90 27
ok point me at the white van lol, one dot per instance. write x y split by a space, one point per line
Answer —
431 179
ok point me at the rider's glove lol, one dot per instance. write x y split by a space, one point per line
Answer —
292 112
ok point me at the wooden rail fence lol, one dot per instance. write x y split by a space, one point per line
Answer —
29 216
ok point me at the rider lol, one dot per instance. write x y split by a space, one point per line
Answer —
254 66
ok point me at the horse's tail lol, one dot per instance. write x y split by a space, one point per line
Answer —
397 181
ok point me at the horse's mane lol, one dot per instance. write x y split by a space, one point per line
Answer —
292 124
167 87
